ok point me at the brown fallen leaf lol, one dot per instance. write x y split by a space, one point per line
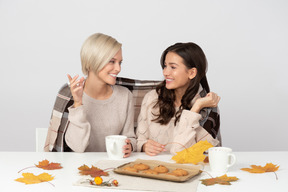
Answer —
206 160
48 166
223 180
30 178
193 154
93 171
45 165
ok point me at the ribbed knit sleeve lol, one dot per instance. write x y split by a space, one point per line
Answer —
188 132
128 129
78 130
142 131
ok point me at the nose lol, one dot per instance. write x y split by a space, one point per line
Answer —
165 71
118 67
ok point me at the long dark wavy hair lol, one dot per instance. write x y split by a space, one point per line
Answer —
193 56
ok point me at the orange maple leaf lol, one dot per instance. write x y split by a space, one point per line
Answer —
269 167
48 166
93 171
223 180
45 165
193 154
30 178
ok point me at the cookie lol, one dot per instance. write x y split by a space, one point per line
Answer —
161 169
131 169
178 172
150 171
141 166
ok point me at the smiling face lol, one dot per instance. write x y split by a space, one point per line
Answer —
110 71
176 74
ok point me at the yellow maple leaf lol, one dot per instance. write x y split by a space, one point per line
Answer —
269 167
30 178
193 154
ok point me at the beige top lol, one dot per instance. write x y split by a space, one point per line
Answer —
96 119
186 132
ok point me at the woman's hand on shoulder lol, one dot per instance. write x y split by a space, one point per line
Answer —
210 100
153 148
76 87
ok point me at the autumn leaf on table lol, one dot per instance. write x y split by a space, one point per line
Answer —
269 167
30 178
223 180
193 154
206 160
48 166
45 165
93 171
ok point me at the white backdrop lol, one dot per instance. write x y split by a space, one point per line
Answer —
246 44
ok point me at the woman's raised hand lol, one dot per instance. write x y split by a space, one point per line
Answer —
76 87
210 100
153 148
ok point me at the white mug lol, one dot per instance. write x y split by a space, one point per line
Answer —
220 159
114 146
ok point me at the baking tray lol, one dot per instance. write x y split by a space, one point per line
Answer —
192 170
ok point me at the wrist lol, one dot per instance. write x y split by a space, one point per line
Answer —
196 108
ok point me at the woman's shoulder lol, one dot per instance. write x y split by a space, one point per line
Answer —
150 97
152 94
121 90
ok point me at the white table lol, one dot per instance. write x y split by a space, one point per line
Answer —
12 162
265 182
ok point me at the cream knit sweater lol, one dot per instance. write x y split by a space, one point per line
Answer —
95 119
186 132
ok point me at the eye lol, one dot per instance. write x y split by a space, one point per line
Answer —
112 61
173 67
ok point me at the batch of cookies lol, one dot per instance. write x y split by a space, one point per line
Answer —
160 169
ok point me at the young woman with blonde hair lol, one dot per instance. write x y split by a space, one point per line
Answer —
95 107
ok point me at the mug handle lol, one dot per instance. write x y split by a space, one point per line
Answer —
112 147
232 160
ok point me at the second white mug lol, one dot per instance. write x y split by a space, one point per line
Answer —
220 159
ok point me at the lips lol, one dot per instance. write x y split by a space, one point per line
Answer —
169 80
113 75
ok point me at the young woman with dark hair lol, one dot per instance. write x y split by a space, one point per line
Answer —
176 111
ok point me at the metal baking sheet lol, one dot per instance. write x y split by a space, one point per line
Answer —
192 170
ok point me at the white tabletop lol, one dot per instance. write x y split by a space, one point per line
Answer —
12 162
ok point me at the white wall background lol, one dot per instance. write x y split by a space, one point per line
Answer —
246 44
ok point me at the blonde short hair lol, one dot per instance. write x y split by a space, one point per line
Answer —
97 51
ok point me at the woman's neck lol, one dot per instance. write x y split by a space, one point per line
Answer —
96 88
178 96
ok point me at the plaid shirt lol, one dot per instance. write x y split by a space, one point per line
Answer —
59 119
